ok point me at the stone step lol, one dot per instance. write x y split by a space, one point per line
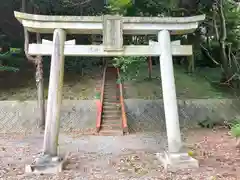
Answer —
112 84
110 97
110 100
110 87
110 108
111 103
111 116
111 126
107 132
111 113
112 120
110 81
109 94
106 103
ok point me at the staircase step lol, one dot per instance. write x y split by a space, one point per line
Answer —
111 103
110 95
111 125
110 88
110 116
114 87
112 121
110 108
112 111
116 114
113 84
110 100
107 116
107 132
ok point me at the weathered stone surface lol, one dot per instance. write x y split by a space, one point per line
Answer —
93 24
17 116
112 33
177 161
141 113
46 165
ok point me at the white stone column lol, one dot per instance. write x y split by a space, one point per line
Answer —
169 93
175 158
54 94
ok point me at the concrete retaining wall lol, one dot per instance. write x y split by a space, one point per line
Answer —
18 116
149 114
143 115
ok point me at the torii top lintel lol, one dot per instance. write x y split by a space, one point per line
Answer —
94 24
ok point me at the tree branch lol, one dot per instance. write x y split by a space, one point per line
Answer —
215 21
209 55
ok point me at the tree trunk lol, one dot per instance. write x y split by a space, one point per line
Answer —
222 42
40 88
150 67
24 6
39 72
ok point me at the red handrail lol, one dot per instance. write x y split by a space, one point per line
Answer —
123 112
100 102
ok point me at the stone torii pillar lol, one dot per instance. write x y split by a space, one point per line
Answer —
54 94
49 161
175 158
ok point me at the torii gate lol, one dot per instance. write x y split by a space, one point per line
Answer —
112 28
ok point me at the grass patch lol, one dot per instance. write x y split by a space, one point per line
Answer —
187 85
21 85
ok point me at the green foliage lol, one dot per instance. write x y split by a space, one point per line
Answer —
151 7
207 123
145 8
15 50
129 66
118 6
235 127
6 55
98 95
235 130
74 64
7 68
69 7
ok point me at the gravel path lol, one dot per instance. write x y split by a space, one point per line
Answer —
125 157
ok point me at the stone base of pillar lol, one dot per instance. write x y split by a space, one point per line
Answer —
177 161
46 164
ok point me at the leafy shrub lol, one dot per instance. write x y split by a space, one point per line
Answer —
129 66
235 128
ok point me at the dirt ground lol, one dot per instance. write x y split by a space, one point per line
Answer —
124 157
